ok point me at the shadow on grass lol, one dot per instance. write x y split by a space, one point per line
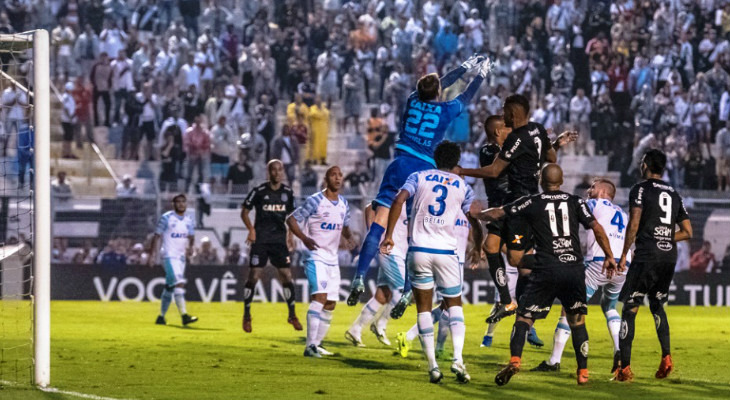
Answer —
194 328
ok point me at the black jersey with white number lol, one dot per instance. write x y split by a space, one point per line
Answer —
496 188
525 149
661 209
554 218
272 208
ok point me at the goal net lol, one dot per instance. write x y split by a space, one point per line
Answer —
24 201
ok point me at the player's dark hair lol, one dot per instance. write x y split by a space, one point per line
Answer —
428 87
520 100
447 155
489 126
655 161
178 196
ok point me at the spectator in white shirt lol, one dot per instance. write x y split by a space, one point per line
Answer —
126 188
14 104
122 83
221 143
189 74
113 39
63 39
68 120
148 121
580 111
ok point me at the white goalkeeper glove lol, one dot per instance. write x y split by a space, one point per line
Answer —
472 62
484 68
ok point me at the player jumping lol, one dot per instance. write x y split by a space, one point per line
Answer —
176 228
522 155
438 194
273 201
391 278
655 209
423 127
553 217
612 218
326 216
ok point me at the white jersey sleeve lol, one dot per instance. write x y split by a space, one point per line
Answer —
324 221
613 220
439 198
174 230
400 236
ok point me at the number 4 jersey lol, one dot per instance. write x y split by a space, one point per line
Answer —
439 198
554 218
613 220
661 209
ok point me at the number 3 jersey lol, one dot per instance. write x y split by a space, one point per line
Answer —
661 209
554 218
614 221
439 198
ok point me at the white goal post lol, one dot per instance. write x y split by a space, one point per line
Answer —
41 192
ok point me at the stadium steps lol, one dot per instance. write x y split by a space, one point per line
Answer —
576 167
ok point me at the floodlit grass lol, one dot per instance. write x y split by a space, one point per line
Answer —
115 350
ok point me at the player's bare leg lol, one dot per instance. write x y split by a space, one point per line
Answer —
287 282
254 274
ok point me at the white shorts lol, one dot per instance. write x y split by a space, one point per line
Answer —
596 280
428 269
512 275
391 272
323 278
174 271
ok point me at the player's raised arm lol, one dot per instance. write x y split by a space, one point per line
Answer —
395 209
452 76
490 171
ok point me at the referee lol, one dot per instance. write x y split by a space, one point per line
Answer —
273 201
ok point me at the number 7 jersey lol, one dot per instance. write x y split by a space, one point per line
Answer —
439 198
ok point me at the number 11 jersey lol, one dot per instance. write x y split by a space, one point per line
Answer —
554 218
439 198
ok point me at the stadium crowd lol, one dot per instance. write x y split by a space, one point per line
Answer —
213 89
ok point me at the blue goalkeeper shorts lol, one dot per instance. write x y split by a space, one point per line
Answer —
402 166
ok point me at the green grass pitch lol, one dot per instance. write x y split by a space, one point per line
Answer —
115 350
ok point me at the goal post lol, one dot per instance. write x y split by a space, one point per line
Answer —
42 210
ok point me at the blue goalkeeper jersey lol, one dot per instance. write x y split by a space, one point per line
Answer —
424 123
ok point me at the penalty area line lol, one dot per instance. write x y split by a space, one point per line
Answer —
65 392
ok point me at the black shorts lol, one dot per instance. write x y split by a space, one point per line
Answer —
262 253
647 279
567 283
68 131
147 130
516 234
495 227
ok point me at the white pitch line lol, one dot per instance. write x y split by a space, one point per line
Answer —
66 392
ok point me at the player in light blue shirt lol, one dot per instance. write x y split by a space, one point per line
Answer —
176 231
423 127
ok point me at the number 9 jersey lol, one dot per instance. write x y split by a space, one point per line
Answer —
439 198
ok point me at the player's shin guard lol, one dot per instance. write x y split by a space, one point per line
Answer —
662 325
519 335
613 321
425 331
458 331
180 300
626 336
580 345
290 297
248 290
369 248
325 320
499 276
562 333
315 308
166 299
